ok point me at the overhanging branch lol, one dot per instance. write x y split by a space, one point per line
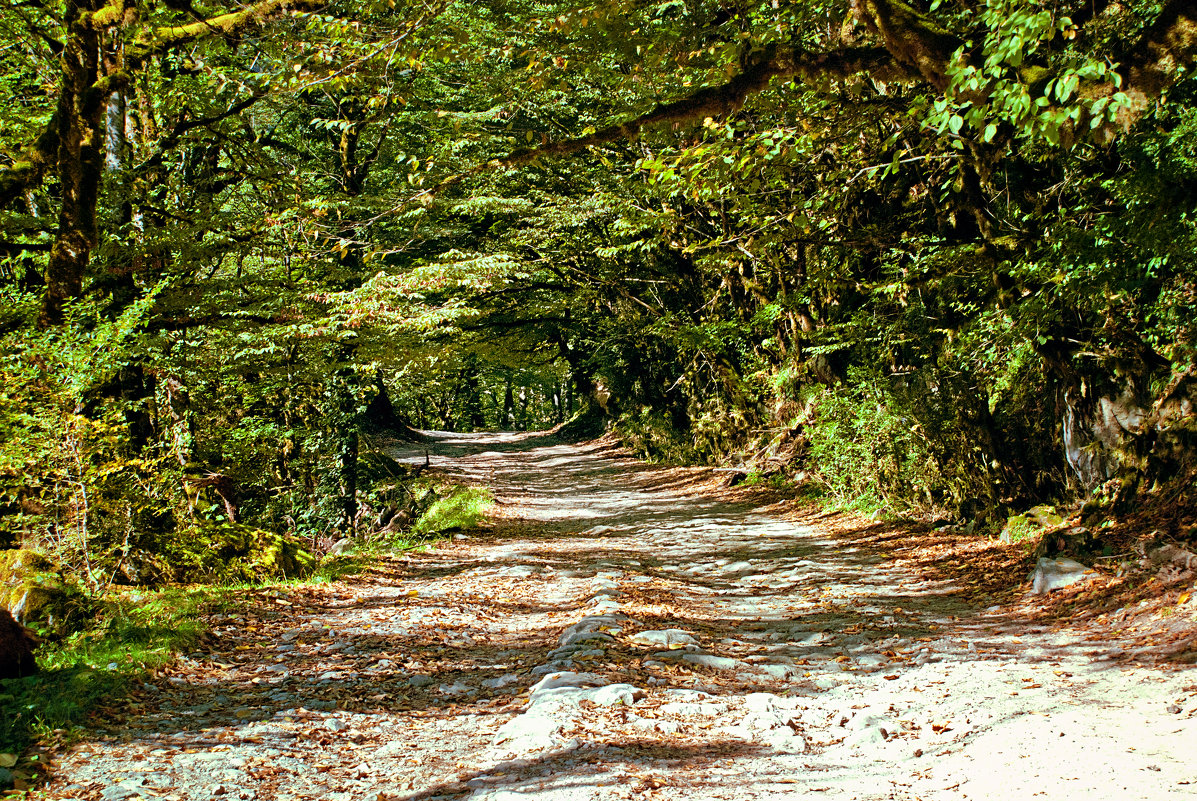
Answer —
29 169
162 39
711 101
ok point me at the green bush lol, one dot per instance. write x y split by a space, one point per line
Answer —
866 454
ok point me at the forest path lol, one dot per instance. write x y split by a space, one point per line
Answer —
622 631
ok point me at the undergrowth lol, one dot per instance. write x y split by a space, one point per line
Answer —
136 631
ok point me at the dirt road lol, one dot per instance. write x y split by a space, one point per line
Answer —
623 633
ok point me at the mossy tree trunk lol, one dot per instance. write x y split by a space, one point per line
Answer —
80 162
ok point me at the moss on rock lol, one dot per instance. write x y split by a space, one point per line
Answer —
35 592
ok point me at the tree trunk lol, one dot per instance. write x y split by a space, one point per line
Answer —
80 163
508 421
521 418
344 422
473 395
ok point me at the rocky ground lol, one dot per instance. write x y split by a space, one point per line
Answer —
623 631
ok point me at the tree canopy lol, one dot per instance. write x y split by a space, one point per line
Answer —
934 257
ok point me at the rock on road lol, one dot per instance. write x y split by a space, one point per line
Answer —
618 633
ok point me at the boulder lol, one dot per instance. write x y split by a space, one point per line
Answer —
1077 540
1176 564
1172 553
34 591
254 554
16 648
397 522
1027 524
1053 574
384 517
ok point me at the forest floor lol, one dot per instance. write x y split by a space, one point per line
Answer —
624 631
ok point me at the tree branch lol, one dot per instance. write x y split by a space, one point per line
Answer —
912 38
711 101
13 248
165 38
29 169
184 125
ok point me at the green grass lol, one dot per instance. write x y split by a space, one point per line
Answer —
136 632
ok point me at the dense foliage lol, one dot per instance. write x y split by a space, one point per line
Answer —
936 257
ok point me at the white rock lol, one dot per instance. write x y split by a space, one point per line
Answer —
760 702
501 681
712 661
780 672
616 695
564 678
662 726
1052 574
520 570
664 638
871 661
530 730
389 750
604 605
691 708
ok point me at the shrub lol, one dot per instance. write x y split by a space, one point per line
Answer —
865 452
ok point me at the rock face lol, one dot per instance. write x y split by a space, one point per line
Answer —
1093 431
16 648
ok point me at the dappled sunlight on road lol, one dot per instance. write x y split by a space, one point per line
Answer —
621 631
